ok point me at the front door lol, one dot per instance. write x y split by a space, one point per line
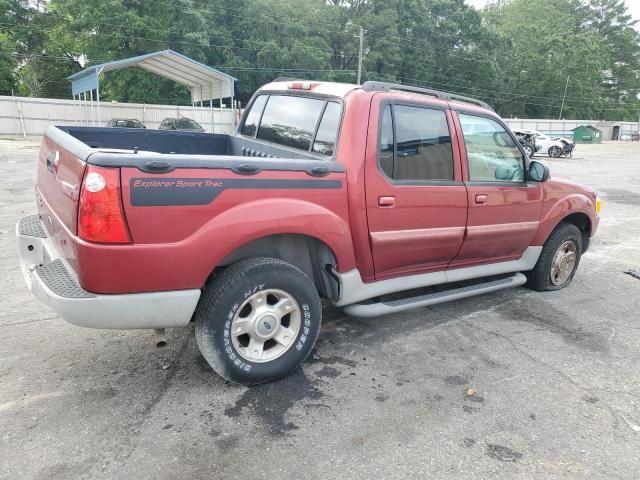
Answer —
416 201
504 209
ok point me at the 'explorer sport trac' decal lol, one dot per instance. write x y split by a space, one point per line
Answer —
147 192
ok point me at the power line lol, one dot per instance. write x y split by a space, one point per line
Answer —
420 82
505 92
273 69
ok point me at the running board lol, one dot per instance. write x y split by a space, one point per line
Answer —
385 307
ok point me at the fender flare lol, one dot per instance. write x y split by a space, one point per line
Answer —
268 217
569 205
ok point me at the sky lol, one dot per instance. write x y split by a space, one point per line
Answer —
632 5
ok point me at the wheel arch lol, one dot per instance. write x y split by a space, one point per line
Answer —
580 219
583 222
310 254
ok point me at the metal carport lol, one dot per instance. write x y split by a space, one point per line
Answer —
205 83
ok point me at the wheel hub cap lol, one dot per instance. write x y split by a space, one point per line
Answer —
564 262
266 325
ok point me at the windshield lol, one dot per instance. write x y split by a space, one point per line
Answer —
304 123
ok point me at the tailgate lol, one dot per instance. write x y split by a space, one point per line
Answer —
58 184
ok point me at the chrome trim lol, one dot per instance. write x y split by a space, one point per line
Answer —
418 234
377 309
353 289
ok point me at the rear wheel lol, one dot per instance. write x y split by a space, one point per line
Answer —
258 321
555 151
558 261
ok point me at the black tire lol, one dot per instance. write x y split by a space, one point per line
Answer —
555 152
529 149
220 302
540 277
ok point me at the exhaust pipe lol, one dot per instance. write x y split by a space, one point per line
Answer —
159 337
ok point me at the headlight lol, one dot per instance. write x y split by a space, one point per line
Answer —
598 205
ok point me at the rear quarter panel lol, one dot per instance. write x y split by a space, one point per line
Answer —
184 222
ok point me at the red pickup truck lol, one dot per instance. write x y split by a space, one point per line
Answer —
377 198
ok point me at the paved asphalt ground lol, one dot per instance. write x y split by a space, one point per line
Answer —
556 377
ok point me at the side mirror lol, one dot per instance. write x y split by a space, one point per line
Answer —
538 171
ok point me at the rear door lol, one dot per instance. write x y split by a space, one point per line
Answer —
416 201
504 209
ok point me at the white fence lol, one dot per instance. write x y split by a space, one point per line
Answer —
31 116
565 127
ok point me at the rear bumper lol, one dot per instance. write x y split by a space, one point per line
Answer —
53 281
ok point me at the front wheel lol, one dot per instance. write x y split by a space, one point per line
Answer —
558 261
528 149
258 321
555 151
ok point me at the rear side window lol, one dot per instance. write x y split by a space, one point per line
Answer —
325 140
250 126
304 123
415 144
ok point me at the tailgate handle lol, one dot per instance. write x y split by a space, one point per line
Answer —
157 166
53 159
319 172
246 169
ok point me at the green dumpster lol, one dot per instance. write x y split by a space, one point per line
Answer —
587 134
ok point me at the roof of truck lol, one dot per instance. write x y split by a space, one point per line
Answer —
343 89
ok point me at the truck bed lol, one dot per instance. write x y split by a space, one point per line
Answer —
176 142
184 195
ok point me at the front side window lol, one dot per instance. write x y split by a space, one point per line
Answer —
415 144
290 121
491 152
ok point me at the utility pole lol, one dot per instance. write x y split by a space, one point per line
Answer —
361 35
563 97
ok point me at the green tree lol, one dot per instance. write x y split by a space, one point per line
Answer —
611 20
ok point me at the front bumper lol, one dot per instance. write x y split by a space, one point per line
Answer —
53 281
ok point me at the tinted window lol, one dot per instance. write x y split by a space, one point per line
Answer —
386 142
328 130
250 126
422 144
491 152
290 121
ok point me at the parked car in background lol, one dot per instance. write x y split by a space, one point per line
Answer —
544 144
528 142
358 194
125 123
183 124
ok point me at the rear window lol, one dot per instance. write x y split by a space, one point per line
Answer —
250 126
304 123
186 123
328 129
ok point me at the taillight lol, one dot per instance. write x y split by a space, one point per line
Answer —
100 215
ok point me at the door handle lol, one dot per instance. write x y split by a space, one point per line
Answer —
386 202
481 198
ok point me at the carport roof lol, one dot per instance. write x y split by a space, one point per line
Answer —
204 82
